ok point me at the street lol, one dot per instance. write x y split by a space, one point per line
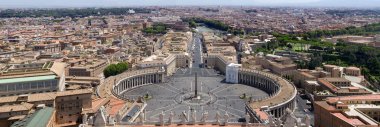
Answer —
302 109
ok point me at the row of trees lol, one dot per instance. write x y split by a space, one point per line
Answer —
115 69
364 56
208 9
215 24
251 11
57 13
350 12
365 30
209 23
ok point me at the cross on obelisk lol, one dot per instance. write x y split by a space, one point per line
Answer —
196 86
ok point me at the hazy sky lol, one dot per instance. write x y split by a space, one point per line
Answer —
119 3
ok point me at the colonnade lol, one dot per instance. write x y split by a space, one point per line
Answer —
280 110
130 80
259 81
137 80
271 84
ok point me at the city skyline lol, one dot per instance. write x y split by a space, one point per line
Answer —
124 3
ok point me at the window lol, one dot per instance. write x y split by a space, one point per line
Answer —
41 85
34 85
11 87
53 83
3 87
25 86
19 87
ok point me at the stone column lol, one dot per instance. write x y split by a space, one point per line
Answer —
133 82
161 117
157 78
142 118
151 78
247 119
217 118
183 117
193 117
226 117
138 80
145 81
141 80
129 83
204 117
124 85
118 89
171 115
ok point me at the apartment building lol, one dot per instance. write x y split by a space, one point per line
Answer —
348 111
277 64
167 61
340 87
176 42
48 48
86 67
70 104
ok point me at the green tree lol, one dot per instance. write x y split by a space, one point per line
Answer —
115 69
316 61
192 24
374 65
290 46
156 29
272 44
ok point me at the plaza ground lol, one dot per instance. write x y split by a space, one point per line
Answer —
219 96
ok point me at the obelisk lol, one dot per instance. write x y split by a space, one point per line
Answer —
196 86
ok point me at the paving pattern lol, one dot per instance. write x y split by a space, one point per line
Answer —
216 96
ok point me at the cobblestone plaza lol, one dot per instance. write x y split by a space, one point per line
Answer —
216 96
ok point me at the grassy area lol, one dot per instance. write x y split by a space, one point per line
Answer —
300 47
147 97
